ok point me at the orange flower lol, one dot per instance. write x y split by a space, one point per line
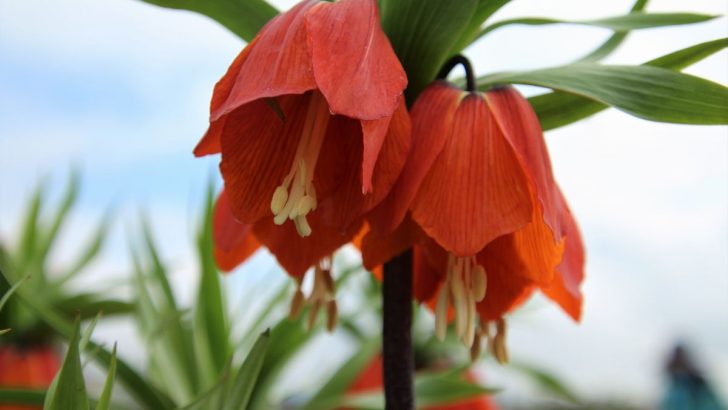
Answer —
29 368
478 199
302 115
312 128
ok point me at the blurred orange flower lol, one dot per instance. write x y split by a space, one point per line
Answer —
28 368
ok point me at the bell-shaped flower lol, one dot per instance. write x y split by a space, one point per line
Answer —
478 200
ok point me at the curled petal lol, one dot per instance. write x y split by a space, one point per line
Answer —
565 288
521 128
475 190
377 249
353 63
234 242
278 62
506 291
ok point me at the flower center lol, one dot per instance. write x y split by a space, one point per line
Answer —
296 196
465 285
322 294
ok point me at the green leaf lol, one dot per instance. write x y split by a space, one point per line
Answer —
651 93
68 391
557 109
88 305
483 11
614 41
12 290
423 33
30 233
210 326
245 380
632 21
90 251
243 17
333 390
105 399
22 396
438 389
546 381
69 198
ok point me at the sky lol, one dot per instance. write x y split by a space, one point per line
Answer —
120 89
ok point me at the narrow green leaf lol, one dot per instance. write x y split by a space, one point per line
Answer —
483 11
105 399
243 17
632 21
158 269
68 391
30 232
5 331
22 396
614 41
69 198
333 390
88 305
245 380
557 109
86 336
90 251
546 381
12 290
433 390
210 325
423 33
651 93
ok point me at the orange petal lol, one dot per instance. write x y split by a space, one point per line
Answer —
395 130
521 128
297 254
257 152
342 147
534 247
505 290
234 242
425 278
475 190
278 62
440 101
565 288
353 63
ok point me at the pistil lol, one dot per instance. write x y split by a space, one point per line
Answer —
296 196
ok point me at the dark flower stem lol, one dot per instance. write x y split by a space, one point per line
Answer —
397 333
471 84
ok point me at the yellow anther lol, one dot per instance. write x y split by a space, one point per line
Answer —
478 283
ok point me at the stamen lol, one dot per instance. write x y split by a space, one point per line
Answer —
296 196
322 295
500 350
477 344
465 285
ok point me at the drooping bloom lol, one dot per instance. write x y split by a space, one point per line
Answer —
27 368
302 114
313 132
478 200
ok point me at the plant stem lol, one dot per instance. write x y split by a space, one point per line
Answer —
397 333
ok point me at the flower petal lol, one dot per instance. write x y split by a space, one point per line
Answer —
341 149
297 254
257 152
234 242
565 288
353 63
505 291
278 62
475 190
521 128
431 126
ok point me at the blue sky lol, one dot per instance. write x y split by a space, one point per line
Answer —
121 89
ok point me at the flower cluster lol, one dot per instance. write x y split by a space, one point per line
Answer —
319 149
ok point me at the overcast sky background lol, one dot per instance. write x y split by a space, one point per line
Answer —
121 89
